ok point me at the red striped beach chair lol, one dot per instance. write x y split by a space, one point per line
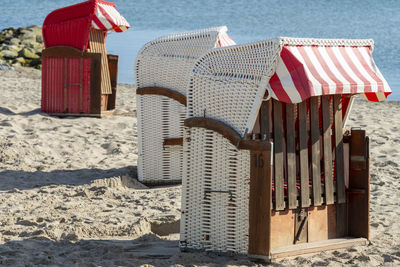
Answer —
268 169
78 76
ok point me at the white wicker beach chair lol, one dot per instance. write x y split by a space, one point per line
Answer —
162 71
229 85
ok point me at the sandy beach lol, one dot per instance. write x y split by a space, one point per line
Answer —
68 194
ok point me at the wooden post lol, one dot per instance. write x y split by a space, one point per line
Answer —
291 156
260 200
278 156
303 143
341 207
113 67
265 120
315 151
359 185
327 141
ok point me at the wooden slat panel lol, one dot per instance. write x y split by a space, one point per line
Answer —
265 119
278 156
97 44
339 160
291 156
303 143
327 141
315 151
260 203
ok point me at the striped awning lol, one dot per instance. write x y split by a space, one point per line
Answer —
106 17
305 71
225 40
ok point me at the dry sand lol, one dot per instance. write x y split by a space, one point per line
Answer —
68 197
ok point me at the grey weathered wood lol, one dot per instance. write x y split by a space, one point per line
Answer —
315 151
339 160
327 141
278 156
291 156
265 120
303 143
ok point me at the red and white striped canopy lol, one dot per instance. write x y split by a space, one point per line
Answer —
106 17
307 70
225 40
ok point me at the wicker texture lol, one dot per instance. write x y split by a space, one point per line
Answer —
215 221
227 84
166 62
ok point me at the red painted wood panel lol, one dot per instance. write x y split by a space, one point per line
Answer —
66 85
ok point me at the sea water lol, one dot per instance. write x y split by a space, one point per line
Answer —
247 21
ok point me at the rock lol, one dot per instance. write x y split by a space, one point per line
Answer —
39 38
38 48
22 46
9 54
28 53
35 62
20 60
11 48
5 67
35 28
28 35
14 41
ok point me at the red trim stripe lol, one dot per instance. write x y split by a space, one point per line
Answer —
98 23
107 16
298 74
367 67
367 84
278 89
321 60
353 84
313 70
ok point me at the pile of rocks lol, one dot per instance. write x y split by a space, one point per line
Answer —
21 47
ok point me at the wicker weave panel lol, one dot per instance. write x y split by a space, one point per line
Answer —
228 84
154 162
218 222
166 62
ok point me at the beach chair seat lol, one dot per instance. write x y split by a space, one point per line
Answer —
162 71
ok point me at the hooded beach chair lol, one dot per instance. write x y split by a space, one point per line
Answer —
79 78
162 71
268 169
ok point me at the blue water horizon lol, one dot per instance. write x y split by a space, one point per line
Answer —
247 21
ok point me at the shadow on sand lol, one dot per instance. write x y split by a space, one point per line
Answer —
8 112
22 180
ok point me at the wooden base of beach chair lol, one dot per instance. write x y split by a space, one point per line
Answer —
73 83
312 248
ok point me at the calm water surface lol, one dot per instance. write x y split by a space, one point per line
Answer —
248 21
